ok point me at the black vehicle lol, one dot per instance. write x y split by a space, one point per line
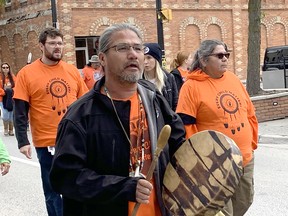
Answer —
276 58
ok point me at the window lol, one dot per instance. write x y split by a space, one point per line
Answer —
85 47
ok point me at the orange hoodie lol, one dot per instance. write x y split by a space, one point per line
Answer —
219 104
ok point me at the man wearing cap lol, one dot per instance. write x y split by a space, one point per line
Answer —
92 71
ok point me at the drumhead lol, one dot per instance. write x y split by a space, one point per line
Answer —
202 174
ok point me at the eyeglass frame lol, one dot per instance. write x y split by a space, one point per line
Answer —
127 50
220 55
54 43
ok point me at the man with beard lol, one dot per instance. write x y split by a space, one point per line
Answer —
105 142
45 88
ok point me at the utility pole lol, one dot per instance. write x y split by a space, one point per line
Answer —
160 29
159 24
54 13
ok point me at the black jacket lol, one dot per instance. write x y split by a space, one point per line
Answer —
170 91
8 99
91 164
178 78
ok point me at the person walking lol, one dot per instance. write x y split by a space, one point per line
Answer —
105 142
6 93
45 88
213 98
181 67
153 72
4 159
92 72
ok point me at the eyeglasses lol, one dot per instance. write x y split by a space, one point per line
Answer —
221 55
5 67
124 47
54 43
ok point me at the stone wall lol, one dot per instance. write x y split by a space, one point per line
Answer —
271 107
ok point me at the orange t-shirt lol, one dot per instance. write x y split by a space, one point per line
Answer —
49 91
90 76
220 104
138 132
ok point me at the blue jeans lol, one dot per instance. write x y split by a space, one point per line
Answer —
6 115
53 200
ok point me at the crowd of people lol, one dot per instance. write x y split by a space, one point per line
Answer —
95 135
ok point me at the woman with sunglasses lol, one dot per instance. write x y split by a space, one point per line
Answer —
213 98
6 102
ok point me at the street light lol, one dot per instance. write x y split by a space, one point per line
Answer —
54 13
29 58
159 25
162 14
160 30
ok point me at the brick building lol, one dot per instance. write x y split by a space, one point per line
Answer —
193 21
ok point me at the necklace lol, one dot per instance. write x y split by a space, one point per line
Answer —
137 164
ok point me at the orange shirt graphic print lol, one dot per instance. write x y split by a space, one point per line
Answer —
139 136
59 90
230 105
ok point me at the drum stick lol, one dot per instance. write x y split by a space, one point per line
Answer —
161 142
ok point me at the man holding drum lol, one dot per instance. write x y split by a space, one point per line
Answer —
106 141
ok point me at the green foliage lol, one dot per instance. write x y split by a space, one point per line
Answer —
2 2
263 14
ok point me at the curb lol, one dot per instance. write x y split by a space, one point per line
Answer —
273 139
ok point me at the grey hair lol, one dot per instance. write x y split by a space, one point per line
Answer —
206 48
105 38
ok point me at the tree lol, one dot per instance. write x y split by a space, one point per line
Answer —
254 42
2 3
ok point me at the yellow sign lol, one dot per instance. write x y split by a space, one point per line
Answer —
166 14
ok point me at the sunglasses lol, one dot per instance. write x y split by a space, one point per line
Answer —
5 67
221 55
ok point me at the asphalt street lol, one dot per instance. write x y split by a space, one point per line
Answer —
21 191
270 181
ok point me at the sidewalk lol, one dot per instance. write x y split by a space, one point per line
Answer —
270 132
274 132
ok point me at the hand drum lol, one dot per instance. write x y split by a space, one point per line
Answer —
202 174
